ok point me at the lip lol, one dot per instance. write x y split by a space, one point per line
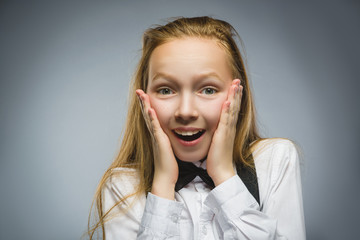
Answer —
189 143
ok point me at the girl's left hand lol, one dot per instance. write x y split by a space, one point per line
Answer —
219 161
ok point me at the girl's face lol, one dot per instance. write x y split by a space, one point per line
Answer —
189 81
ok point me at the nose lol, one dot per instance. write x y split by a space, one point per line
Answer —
186 110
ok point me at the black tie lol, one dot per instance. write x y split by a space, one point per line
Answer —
188 171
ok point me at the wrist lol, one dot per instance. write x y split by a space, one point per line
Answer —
163 188
222 176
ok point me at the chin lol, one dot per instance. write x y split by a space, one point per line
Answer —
190 157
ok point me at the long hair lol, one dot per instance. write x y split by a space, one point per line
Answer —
136 147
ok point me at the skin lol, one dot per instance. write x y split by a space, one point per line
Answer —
190 88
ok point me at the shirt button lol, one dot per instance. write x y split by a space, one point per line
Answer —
216 210
174 218
204 230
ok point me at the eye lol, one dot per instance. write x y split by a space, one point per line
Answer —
208 91
165 91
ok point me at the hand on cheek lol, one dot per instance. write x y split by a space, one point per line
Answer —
220 157
165 165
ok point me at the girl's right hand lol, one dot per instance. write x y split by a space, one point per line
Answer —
165 166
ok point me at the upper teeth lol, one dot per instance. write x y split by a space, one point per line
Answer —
187 133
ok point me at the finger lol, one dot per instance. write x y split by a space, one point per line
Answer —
150 115
154 122
145 100
145 105
232 93
149 112
233 99
224 116
235 104
235 94
236 82
231 106
139 93
237 98
232 90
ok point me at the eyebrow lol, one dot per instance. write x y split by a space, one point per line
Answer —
209 74
162 75
199 76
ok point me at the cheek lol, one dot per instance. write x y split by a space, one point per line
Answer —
163 109
212 111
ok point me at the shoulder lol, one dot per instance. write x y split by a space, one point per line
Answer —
120 190
276 156
277 168
122 181
278 149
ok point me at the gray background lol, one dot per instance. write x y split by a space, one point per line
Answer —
65 68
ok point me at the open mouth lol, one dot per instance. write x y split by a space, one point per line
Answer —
188 135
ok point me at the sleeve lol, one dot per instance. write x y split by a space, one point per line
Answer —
161 219
239 215
138 217
126 208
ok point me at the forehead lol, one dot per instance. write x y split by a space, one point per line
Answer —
189 56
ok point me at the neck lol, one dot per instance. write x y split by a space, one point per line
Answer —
201 160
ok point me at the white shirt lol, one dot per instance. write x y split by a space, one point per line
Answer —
229 211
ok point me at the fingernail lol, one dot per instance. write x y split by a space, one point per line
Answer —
237 89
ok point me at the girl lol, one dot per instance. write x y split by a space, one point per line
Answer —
192 164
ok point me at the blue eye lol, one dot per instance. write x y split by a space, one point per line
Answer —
165 91
208 91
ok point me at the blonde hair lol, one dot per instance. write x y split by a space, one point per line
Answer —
136 148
